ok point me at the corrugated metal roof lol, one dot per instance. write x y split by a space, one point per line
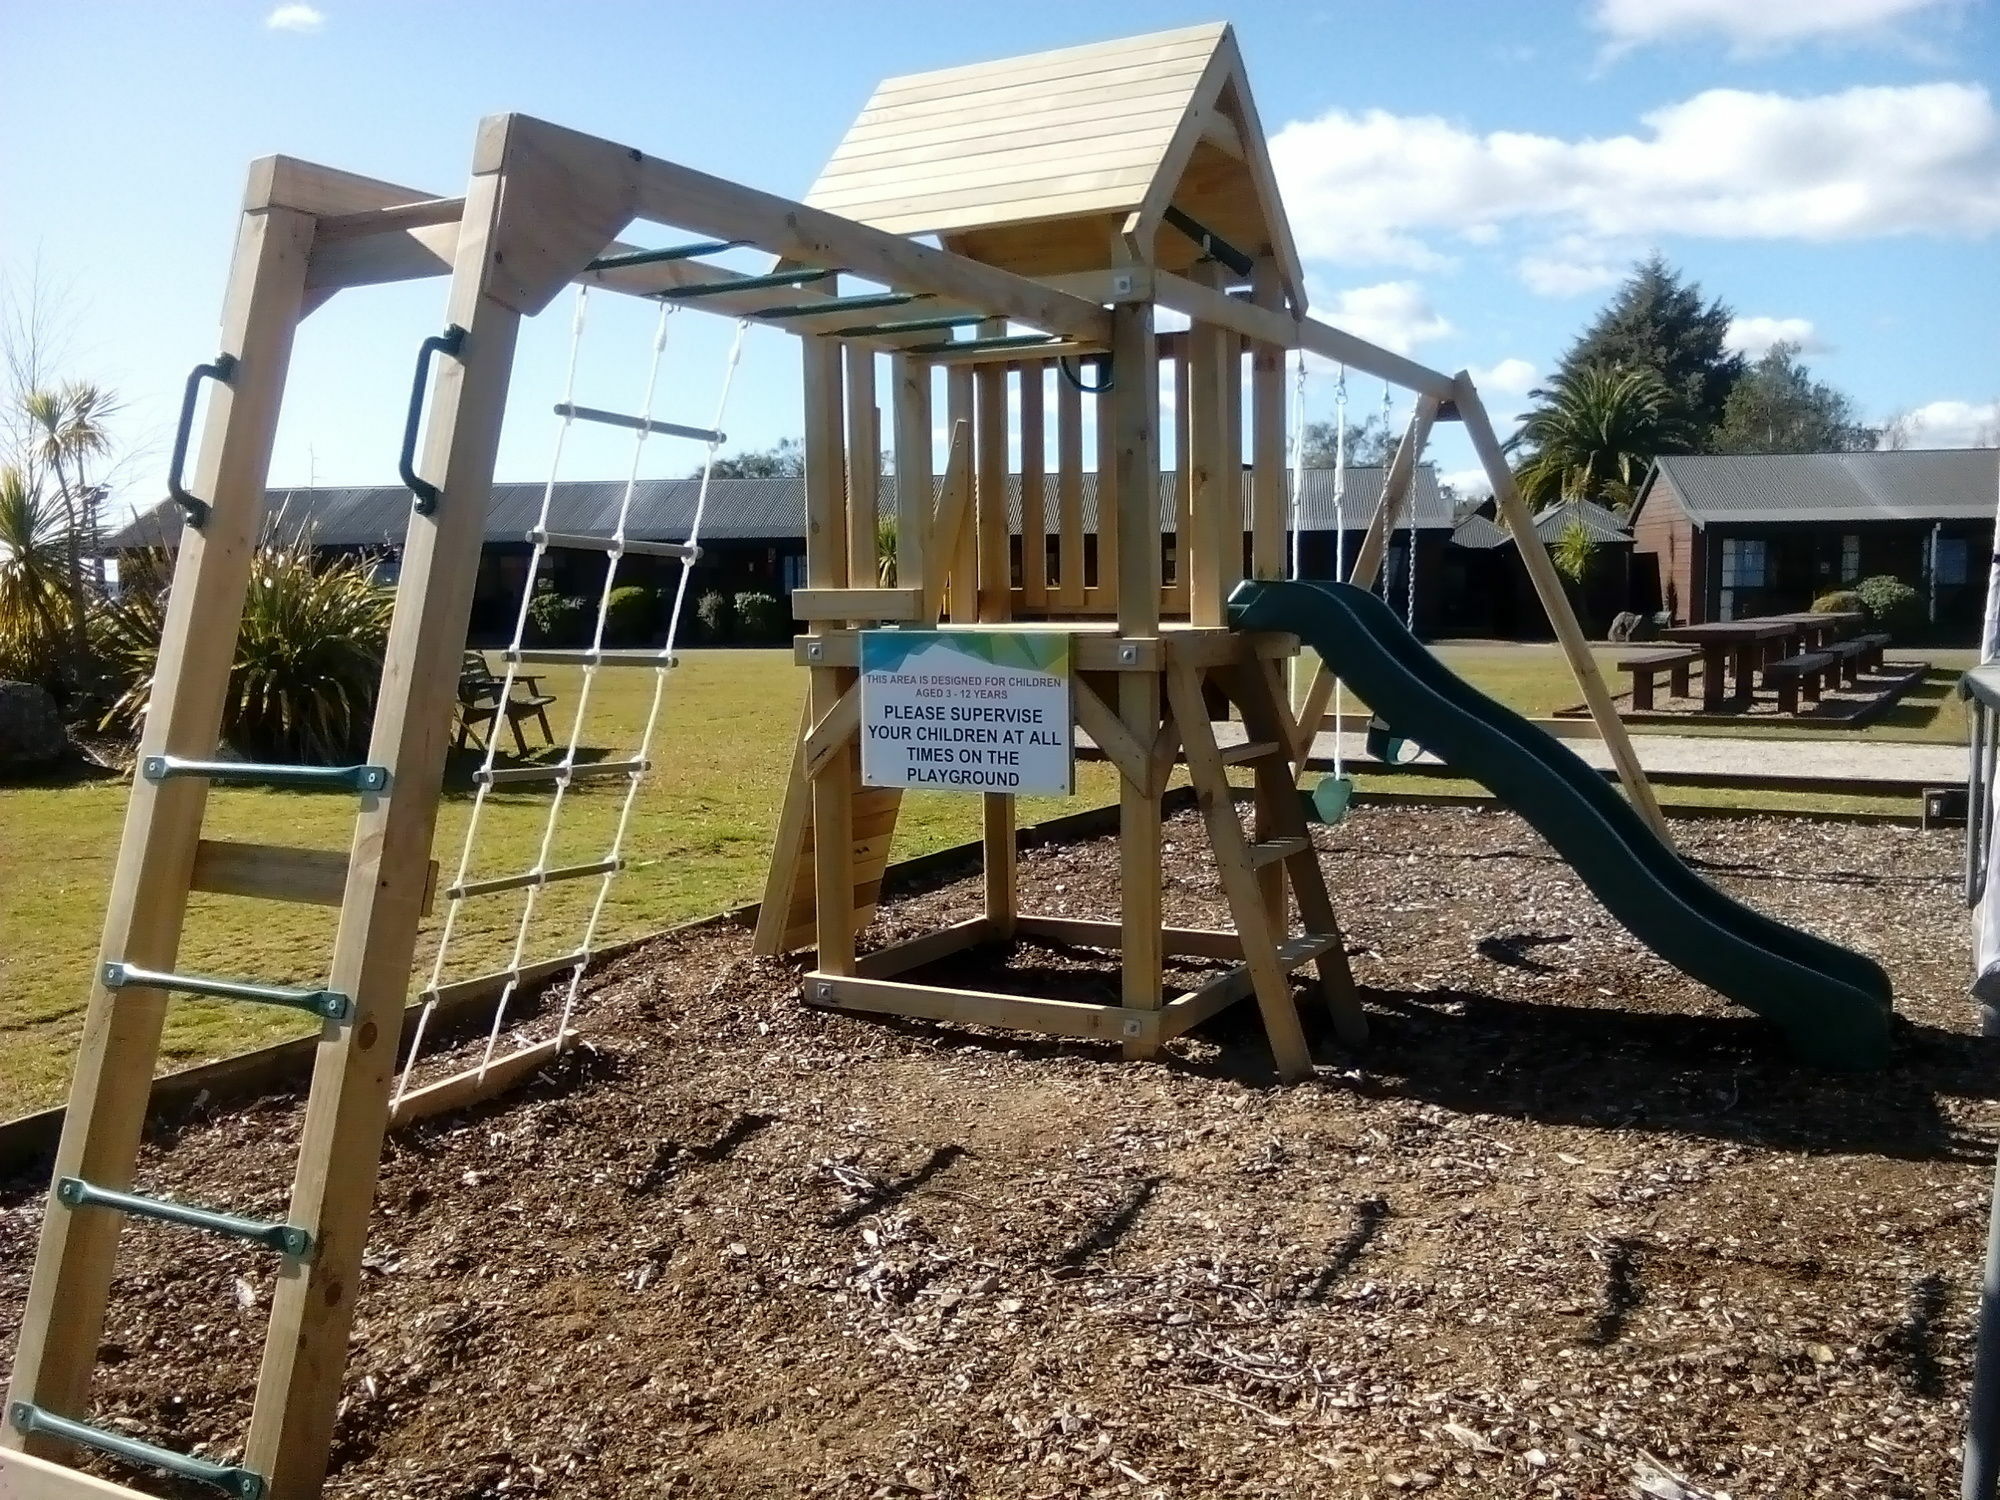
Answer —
738 509
1907 485
1602 525
1478 533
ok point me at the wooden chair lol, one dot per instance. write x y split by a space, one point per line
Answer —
482 698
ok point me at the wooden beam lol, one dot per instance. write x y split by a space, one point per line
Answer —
63 1317
585 191
950 523
475 1085
673 194
1034 486
1108 731
864 470
1268 479
1093 648
964 570
1555 601
826 465
990 465
1197 942
911 387
1205 529
834 731
305 1353
914 953
858 603
788 847
1070 566
25 1477
973 1007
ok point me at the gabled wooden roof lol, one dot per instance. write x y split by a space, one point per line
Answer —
1042 163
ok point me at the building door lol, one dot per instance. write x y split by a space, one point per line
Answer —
1745 564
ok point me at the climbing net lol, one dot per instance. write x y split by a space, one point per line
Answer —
569 769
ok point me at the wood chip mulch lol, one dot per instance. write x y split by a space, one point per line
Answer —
1571 1226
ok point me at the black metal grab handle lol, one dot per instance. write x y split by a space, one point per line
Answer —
195 509
448 342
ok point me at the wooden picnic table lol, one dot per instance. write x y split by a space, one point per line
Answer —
1815 630
1719 640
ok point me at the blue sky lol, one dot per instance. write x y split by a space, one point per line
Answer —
1467 179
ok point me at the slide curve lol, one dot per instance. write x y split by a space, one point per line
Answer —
1833 1004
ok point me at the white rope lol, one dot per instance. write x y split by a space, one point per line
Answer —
591 668
659 673
484 780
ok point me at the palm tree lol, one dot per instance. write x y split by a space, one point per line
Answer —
34 578
1595 434
70 429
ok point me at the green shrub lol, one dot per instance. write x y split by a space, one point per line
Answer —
558 619
758 617
1839 602
36 618
308 657
713 614
629 616
1892 604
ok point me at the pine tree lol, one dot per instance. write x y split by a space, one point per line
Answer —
1777 407
1658 322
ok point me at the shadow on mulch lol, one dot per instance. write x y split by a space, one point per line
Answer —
1722 1077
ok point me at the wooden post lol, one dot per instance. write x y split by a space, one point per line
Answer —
64 1315
298 1388
1133 406
964 594
1548 585
1034 489
995 603
1267 434
827 568
1204 536
1230 523
1070 578
1183 468
864 467
1107 504
913 471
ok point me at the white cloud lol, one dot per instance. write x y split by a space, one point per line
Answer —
1559 275
1374 187
295 17
1950 424
1753 337
1395 314
1762 26
1510 377
1470 484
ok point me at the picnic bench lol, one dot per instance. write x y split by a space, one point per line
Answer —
483 698
1874 644
1803 672
1721 640
1644 668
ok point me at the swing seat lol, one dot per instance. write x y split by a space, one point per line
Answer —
1328 802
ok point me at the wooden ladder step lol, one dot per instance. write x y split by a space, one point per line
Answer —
1270 851
1236 755
278 872
1303 950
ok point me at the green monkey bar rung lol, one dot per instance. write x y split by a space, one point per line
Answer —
328 1005
286 1239
244 1484
912 325
863 303
744 283
249 773
975 346
670 252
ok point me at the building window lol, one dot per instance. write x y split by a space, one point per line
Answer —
1743 568
795 572
1850 557
1950 565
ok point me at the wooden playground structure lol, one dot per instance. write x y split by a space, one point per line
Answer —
1077 198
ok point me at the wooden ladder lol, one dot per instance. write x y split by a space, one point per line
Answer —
1257 868
382 884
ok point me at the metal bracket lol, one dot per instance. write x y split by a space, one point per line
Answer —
222 369
448 342
1133 1027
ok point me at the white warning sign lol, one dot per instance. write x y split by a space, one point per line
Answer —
967 711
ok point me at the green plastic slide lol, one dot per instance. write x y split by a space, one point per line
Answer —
1834 1005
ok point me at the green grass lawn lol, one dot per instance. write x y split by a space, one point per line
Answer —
699 840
